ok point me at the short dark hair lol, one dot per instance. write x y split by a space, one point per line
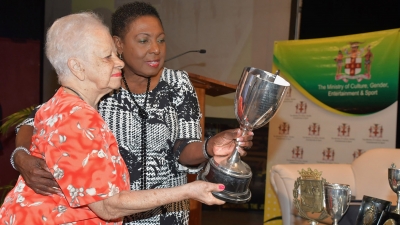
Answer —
127 13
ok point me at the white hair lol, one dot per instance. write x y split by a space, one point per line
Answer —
70 36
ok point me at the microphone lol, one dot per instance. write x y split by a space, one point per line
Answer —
201 51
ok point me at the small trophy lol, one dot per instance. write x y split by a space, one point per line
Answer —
394 182
258 97
371 210
308 196
337 200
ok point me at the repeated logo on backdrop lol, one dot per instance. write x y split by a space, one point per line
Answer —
376 131
357 153
328 154
301 108
314 129
344 130
297 152
284 128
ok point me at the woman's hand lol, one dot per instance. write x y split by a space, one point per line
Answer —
202 191
36 174
223 144
130 202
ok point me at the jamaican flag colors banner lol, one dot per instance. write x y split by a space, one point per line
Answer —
342 101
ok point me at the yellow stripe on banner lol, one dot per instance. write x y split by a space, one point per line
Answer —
271 205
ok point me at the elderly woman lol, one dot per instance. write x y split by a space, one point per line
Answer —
77 144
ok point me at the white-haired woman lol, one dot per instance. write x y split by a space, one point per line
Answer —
76 143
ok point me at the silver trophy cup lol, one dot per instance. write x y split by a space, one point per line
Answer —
394 182
258 97
337 200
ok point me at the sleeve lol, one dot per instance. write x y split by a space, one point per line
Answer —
188 110
29 120
189 115
78 154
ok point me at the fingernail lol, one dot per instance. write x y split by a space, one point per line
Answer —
221 187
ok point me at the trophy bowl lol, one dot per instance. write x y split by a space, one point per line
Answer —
259 95
394 182
337 200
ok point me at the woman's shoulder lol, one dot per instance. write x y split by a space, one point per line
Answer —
64 108
114 98
63 102
176 77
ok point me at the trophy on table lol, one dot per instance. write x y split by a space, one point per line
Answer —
308 196
258 97
320 201
394 182
337 200
373 211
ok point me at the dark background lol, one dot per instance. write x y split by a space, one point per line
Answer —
329 18
21 19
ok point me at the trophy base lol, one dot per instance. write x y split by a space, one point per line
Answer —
236 198
236 187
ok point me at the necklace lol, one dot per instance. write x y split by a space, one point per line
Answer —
143 115
73 91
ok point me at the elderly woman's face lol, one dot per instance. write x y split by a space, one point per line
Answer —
144 46
103 67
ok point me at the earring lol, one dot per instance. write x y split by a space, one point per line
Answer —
120 56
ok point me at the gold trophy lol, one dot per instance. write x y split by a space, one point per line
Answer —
308 196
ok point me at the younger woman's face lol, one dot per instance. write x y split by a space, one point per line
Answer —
143 46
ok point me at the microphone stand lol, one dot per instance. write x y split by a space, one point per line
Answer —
201 51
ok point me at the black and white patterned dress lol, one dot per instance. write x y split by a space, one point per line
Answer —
174 117
174 121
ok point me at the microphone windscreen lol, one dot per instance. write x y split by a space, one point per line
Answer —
202 51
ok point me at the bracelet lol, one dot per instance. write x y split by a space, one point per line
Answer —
205 153
13 153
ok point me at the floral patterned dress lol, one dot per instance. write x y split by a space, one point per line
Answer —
82 153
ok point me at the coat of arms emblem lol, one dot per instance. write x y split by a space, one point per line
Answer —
354 63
